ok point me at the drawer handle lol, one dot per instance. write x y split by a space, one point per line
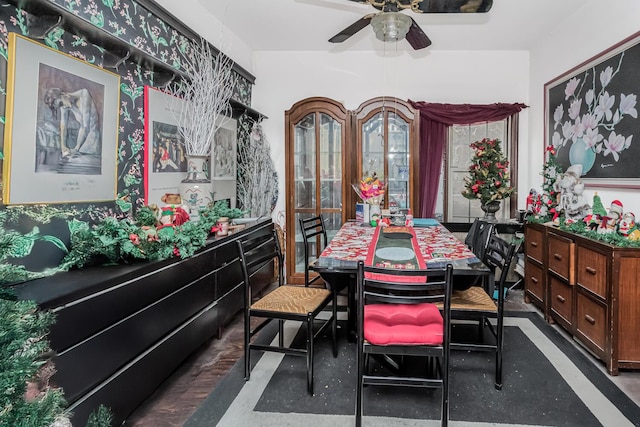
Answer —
558 257
534 244
534 280
591 270
560 298
590 319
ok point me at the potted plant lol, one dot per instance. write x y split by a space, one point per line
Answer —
201 108
488 179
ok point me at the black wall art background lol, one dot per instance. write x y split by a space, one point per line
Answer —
592 116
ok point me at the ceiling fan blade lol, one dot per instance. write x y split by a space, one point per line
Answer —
452 6
351 29
416 37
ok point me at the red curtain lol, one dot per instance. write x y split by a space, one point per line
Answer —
435 120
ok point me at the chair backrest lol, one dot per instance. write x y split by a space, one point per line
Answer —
312 229
394 286
498 256
478 237
257 252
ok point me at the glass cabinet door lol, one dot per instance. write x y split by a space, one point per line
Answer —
398 163
315 165
385 141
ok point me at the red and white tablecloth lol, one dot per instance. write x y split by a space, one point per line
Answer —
351 243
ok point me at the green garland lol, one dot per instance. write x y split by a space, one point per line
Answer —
117 241
110 241
582 229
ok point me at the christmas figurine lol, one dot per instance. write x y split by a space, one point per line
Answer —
550 174
627 224
610 222
598 212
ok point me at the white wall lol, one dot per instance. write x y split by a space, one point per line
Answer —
200 20
283 78
592 29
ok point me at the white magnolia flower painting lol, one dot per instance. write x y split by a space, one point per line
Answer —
592 115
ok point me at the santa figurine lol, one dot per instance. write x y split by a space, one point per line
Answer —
627 223
609 223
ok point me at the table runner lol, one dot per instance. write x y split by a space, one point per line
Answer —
437 244
389 252
401 253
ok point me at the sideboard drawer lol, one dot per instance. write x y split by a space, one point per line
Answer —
591 320
561 300
592 271
534 279
534 243
561 252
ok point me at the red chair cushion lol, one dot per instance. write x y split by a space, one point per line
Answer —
403 324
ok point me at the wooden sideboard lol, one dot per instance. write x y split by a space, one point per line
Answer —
121 330
588 287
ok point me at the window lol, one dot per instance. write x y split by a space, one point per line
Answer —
458 157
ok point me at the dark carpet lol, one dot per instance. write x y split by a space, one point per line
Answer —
534 392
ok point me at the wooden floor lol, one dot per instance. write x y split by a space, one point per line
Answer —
181 394
178 397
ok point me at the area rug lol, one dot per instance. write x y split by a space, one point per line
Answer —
547 382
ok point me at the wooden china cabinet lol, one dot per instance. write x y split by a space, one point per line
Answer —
387 137
315 151
328 148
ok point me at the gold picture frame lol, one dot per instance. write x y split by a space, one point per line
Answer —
61 132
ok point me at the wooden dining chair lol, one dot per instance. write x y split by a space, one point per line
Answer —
477 238
477 303
285 302
399 317
312 229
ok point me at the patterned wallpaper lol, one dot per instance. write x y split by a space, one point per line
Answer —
133 24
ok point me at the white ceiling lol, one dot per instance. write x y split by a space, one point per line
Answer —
306 25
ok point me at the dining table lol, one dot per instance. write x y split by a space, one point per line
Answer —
433 244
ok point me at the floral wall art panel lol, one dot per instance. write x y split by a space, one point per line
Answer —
592 116
165 159
62 127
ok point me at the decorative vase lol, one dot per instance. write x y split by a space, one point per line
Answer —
196 189
490 210
580 154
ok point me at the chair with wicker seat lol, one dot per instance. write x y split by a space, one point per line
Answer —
476 303
398 316
285 302
312 229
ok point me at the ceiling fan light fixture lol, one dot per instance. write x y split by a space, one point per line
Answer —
391 26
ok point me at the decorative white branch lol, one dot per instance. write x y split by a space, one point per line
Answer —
257 179
207 88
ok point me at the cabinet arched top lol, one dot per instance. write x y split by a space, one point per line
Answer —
397 105
316 104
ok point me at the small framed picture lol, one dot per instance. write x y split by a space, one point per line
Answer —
165 158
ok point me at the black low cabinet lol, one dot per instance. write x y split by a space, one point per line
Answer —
121 330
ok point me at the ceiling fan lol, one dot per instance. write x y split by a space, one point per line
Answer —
390 25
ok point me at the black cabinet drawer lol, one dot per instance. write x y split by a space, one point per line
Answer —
90 362
227 278
132 384
84 317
